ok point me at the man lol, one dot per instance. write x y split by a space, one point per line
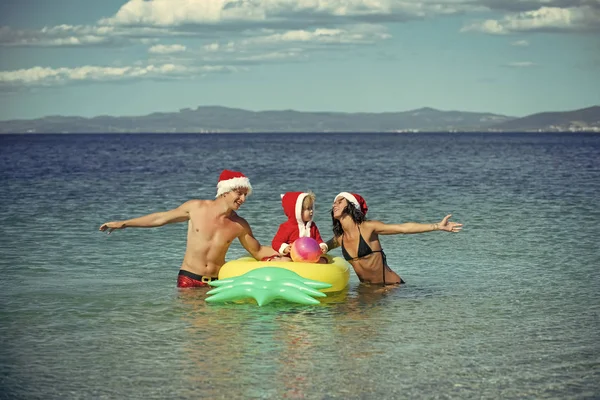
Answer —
213 225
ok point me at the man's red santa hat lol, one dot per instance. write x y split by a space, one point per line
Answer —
356 200
230 180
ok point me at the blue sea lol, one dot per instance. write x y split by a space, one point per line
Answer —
508 308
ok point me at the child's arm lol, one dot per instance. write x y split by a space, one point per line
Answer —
315 234
280 241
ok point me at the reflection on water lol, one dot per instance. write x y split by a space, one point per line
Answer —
280 350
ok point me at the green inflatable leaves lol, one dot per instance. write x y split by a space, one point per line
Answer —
265 285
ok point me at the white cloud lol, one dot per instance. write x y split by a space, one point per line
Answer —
167 49
254 31
272 56
86 35
521 64
209 12
212 47
60 35
543 19
515 6
45 76
177 12
360 34
143 21
231 55
307 39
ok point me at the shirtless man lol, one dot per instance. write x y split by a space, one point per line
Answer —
213 225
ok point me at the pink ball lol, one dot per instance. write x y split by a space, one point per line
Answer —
305 249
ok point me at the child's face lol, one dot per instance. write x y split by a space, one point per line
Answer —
307 212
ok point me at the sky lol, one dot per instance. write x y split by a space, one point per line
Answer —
116 57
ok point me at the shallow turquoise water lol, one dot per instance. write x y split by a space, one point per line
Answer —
508 308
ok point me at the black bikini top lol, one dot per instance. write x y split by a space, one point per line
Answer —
363 249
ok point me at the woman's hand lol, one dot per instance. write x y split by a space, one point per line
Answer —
446 225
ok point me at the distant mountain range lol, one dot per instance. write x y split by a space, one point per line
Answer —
222 119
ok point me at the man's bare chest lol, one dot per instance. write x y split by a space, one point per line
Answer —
209 227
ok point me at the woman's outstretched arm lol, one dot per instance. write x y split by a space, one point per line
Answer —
415 227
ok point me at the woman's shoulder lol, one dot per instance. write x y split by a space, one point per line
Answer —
371 226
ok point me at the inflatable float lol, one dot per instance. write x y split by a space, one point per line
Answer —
266 281
336 271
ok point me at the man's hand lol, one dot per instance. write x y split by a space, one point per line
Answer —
111 226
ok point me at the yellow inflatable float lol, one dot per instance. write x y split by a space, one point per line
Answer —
336 272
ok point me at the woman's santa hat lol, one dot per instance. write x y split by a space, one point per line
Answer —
356 200
230 180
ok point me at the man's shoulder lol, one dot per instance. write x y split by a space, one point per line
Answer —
198 203
235 217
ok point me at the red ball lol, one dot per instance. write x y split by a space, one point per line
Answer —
305 249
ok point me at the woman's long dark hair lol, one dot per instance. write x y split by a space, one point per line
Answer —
357 216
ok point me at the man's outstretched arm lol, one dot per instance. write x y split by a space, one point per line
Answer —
179 214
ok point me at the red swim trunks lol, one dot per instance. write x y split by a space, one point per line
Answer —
187 279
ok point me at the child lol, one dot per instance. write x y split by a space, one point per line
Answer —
298 207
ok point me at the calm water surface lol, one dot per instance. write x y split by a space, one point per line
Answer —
508 308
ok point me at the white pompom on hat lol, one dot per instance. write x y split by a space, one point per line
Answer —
230 180
356 200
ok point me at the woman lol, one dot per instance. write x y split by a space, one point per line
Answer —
359 238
